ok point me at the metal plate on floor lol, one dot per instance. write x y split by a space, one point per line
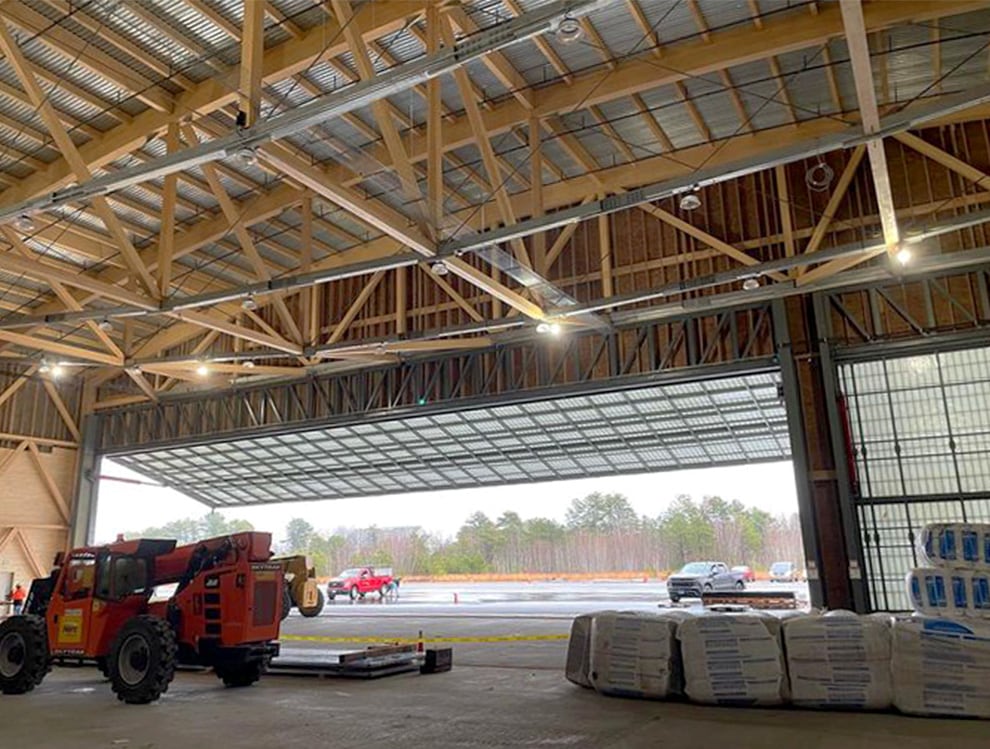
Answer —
365 663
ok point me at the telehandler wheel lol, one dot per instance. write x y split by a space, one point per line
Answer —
240 674
104 665
142 660
286 602
316 609
23 654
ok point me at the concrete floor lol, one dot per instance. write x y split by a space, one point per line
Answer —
498 695
472 706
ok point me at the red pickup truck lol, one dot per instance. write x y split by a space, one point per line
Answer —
359 581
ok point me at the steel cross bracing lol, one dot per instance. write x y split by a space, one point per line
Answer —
947 310
699 345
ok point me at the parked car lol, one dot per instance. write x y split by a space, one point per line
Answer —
696 578
745 572
784 572
357 582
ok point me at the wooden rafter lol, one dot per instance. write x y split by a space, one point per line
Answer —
166 238
393 141
495 180
352 311
61 292
838 193
261 269
859 58
252 52
451 292
207 97
56 347
72 156
96 61
784 208
950 162
702 236
63 410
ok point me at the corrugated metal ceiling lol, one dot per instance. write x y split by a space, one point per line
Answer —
903 71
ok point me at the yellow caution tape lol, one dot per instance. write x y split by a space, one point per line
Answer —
425 640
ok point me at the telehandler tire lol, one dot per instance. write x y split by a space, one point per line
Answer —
24 658
240 674
142 660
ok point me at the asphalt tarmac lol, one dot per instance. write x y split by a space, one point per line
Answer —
515 625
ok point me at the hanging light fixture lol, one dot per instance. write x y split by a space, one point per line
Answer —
568 30
903 256
57 371
248 364
247 156
249 302
689 202
24 223
202 370
45 367
105 325
440 268
751 284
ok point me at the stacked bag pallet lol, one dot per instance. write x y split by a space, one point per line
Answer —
941 667
626 654
733 659
956 582
934 663
941 658
839 661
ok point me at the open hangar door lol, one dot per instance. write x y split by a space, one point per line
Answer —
691 424
710 388
919 435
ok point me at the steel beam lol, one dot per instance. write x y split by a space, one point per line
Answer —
87 482
530 368
815 145
791 392
312 113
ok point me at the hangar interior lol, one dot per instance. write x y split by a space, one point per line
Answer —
265 251
671 241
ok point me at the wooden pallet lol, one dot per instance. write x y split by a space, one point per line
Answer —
750 599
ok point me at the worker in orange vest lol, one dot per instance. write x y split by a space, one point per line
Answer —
17 597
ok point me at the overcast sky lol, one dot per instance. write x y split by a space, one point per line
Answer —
770 486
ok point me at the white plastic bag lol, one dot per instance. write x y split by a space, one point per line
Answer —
733 659
634 655
839 660
941 667
631 654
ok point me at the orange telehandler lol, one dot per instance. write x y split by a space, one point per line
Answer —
97 606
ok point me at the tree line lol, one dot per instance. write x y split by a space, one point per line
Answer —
601 532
